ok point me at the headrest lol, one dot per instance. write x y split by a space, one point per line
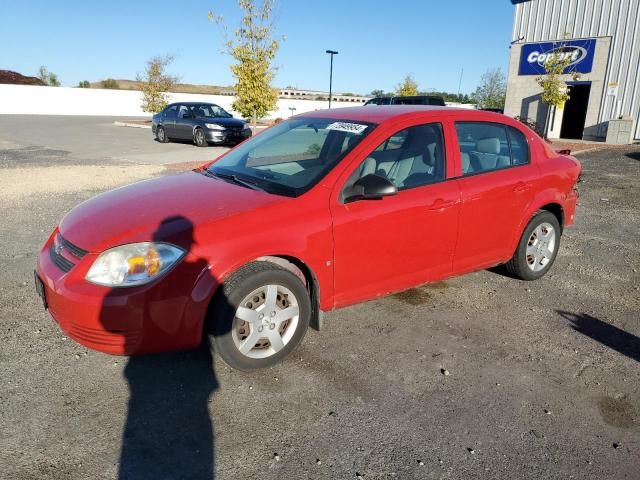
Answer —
488 145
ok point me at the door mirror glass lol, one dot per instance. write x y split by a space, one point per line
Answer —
371 187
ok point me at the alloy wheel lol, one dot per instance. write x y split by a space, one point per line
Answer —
265 321
541 246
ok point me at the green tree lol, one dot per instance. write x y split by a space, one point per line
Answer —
155 83
84 84
253 48
110 84
492 90
554 89
377 93
47 77
407 87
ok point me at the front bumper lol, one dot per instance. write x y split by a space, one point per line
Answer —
159 316
228 135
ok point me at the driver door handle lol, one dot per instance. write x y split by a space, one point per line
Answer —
441 204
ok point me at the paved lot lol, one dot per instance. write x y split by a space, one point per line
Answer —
544 377
97 138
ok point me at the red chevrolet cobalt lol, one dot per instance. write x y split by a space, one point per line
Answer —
324 210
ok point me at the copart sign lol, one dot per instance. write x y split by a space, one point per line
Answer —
579 52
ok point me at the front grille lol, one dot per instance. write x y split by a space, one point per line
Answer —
61 262
71 248
61 244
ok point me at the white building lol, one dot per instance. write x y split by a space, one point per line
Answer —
296 94
602 37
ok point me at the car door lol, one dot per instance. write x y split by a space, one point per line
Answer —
169 120
398 241
497 185
185 123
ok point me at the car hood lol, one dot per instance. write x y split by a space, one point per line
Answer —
225 122
168 208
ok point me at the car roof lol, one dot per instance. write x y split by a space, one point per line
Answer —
193 103
379 113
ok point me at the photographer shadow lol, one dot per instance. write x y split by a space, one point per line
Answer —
168 432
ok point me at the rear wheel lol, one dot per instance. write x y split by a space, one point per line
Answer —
199 138
538 247
161 135
260 315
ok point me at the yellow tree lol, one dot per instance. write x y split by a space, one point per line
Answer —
554 89
253 48
407 87
155 83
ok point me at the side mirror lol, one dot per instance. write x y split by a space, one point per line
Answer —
370 187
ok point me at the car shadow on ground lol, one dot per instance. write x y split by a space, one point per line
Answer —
190 142
613 337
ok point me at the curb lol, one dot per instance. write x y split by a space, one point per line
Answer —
132 125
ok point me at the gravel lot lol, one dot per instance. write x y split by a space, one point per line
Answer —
480 376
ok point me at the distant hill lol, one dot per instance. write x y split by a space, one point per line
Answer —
179 88
15 78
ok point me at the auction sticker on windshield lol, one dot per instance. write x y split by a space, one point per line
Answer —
347 127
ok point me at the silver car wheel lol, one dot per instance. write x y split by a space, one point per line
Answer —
541 246
200 140
266 320
161 134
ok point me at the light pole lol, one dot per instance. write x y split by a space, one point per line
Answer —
331 53
292 109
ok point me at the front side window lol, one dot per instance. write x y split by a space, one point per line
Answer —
409 158
483 147
292 156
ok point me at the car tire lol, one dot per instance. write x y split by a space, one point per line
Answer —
537 248
199 138
267 297
161 135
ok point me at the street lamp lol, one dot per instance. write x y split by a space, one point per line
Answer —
332 53
292 109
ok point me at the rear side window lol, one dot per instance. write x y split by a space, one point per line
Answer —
486 146
483 147
519 147
171 111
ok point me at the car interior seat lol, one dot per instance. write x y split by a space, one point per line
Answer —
414 163
486 155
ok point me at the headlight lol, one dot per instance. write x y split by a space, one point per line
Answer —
214 126
133 264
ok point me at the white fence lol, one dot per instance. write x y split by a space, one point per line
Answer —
32 100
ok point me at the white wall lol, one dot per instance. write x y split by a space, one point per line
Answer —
27 99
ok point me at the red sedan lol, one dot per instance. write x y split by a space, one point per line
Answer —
324 210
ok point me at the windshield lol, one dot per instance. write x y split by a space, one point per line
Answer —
291 157
209 111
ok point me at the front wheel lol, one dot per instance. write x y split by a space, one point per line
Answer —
260 315
538 247
199 138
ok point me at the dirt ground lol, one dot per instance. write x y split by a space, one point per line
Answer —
480 376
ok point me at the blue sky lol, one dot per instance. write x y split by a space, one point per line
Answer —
379 42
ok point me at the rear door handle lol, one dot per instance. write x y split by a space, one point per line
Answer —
440 204
522 187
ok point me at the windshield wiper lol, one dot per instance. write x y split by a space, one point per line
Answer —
233 179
